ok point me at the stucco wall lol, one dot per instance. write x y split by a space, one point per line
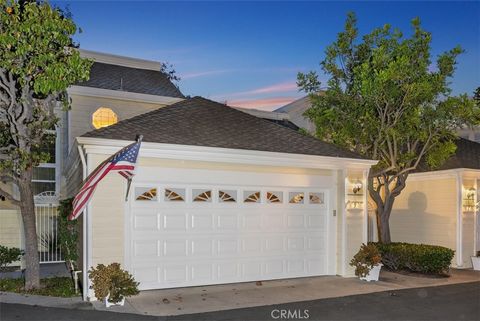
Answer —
82 108
426 212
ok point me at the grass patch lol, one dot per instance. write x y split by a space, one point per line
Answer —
58 286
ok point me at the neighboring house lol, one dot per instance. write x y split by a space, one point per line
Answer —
220 195
436 207
295 110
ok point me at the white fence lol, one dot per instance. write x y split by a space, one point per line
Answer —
47 232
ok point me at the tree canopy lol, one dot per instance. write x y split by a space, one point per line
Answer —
388 101
38 61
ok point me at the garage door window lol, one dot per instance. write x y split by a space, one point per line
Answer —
174 195
145 194
227 196
296 197
251 197
316 198
274 197
202 195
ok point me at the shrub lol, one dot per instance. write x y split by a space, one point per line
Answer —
9 255
366 258
111 279
422 258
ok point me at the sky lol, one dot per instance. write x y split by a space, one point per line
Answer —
249 53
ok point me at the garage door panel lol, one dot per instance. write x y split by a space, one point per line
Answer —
251 269
295 221
202 272
201 222
176 221
227 222
252 245
227 247
201 247
189 243
146 221
174 248
145 249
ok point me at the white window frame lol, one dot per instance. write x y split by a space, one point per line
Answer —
55 165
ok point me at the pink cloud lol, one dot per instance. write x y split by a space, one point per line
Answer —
282 87
203 73
262 103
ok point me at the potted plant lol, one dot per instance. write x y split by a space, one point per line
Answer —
112 284
367 262
476 261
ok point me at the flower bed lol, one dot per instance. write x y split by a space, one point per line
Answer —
58 286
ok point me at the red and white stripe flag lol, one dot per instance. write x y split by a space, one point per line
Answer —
124 161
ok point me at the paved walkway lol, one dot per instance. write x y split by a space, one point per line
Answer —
242 295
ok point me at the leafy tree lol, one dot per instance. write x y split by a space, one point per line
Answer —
386 101
38 61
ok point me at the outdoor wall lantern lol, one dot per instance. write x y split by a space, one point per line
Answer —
357 186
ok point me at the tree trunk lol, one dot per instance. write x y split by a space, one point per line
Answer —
27 207
383 220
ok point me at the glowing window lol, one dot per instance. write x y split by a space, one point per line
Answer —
104 117
296 197
227 196
274 197
251 197
316 198
202 195
145 194
174 195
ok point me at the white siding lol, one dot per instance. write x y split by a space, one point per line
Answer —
426 212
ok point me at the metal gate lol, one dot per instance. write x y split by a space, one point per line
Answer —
47 232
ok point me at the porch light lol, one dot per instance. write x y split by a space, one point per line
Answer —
471 193
357 186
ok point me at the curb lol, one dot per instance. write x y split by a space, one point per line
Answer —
45 301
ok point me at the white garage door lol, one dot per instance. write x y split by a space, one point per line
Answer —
183 234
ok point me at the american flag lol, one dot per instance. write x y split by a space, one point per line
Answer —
123 161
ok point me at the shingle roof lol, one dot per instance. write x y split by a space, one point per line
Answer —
201 122
143 81
467 155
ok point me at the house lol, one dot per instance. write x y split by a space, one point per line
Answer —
220 195
437 207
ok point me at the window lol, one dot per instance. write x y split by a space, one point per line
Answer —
104 117
44 175
316 198
174 195
296 197
251 197
202 195
227 196
274 197
145 194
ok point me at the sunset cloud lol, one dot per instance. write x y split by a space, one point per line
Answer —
203 73
262 103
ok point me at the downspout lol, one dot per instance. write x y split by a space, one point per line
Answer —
84 230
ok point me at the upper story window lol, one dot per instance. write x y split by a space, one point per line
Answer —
44 175
104 117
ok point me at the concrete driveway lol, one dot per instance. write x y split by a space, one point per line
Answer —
243 295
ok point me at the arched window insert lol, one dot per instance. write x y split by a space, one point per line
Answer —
104 117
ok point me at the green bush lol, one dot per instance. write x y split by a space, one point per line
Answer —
422 258
9 255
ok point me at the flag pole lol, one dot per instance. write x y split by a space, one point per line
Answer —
138 139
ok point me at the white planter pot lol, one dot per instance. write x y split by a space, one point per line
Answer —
109 304
373 274
476 263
